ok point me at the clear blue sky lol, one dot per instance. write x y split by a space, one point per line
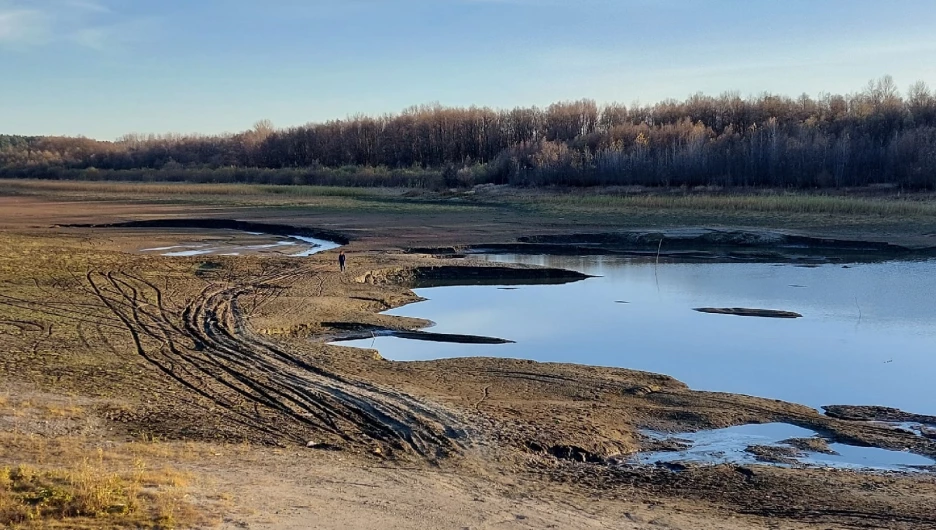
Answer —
102 68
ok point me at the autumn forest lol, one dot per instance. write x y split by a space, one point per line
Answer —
878 135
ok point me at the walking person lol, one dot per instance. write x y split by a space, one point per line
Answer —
341 260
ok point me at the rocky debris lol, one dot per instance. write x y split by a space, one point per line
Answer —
747 312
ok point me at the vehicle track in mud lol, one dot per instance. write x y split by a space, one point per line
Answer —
206 345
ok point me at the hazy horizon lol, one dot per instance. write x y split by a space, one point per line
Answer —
105 68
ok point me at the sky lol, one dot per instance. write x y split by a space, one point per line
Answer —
103 68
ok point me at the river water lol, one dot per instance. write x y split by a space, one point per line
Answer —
867 336
237 243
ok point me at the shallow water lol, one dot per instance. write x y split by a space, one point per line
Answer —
305 246
315 246
728 446
867 336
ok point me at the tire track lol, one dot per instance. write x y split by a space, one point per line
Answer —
157 357
209 348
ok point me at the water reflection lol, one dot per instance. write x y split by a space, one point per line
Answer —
868 335
729 445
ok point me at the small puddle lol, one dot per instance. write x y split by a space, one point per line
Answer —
731 446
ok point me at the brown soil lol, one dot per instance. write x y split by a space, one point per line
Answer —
227 350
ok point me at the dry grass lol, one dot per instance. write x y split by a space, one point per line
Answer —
86 482
784 203
165 189
323 198
91 495
866 204
101 489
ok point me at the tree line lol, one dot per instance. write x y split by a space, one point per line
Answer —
873 136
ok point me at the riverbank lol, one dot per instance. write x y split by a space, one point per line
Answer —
219 351
398 218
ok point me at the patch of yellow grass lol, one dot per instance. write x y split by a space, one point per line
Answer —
62 410
91 495
81 483
46 410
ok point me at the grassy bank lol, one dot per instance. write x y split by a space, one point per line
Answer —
856 213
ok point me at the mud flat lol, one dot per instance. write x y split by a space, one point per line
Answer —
349 332
871 413
748 312
447 274
704 244
224 350
225 224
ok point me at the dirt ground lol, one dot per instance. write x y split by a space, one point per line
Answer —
229 352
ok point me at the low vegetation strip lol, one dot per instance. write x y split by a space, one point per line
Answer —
746 201
34 186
